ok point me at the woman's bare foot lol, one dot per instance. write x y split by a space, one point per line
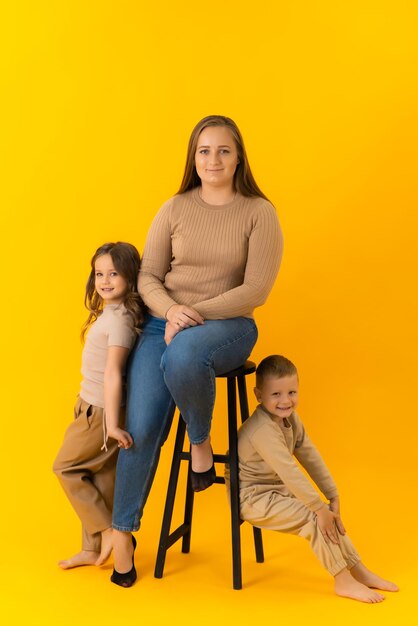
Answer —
365 576
107 546
348 587
202 456
122 551
85 557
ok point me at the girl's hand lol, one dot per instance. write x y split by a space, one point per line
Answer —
181 316
334 506
123 438
327 524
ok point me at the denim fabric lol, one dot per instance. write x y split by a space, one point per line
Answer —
161 377
193 359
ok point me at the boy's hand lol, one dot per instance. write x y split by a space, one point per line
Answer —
123 438
334 505
327 524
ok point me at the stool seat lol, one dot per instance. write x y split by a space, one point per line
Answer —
234 378
249 367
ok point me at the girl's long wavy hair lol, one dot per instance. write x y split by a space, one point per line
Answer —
127 262
244 181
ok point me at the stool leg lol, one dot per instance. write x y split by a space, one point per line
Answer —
243 402
243 399
234 485
188 511
169 504
258 545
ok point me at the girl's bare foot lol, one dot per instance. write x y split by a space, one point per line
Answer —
348 587
365 576
85 557
107 546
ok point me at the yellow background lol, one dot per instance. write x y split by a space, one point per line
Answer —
98 99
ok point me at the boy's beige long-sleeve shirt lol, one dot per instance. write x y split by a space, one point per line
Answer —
265 450
220 260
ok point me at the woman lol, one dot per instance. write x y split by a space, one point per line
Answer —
211 256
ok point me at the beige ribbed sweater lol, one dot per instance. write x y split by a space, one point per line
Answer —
221 260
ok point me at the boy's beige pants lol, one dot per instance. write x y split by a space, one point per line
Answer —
87 473
277 509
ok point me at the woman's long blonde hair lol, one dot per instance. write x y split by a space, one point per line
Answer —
127 262
244 181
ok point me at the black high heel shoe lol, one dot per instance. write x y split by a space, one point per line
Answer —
128 578
202 480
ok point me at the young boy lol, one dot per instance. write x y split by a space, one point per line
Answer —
276 494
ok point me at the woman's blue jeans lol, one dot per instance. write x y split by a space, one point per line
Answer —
161 377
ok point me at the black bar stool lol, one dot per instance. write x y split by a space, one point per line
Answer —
167 538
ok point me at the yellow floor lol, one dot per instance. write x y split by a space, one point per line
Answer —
289 587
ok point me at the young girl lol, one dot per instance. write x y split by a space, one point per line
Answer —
85 465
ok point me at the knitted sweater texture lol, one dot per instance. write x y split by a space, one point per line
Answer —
220 260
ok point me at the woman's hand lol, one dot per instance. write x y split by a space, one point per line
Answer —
170 332
181 316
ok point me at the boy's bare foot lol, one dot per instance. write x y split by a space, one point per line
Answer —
348 587
106 546
365 576
85 557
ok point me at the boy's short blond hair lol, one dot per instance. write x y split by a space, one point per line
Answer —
274 365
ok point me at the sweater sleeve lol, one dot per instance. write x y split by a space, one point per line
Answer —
308 456
265 249
156 260
270 444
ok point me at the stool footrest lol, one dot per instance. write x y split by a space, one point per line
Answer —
177 534
221 458
217 458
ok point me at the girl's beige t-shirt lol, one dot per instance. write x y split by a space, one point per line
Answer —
114 327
